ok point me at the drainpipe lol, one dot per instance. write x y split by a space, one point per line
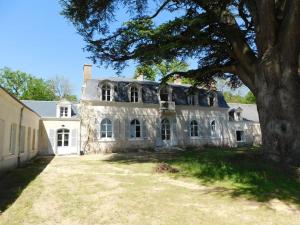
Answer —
19 141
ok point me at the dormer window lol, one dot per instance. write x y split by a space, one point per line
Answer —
192 99
211 101
106 92
63 111
134 94
165 94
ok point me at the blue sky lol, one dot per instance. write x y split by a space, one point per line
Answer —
36 39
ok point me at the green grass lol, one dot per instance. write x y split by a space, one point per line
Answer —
213 187
244 170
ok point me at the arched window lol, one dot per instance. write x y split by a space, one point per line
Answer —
63 137
213 126
194 128
135 129
134 94
165 129
106 92
106 128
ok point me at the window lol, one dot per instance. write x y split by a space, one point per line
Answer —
192 99
33 139
213 126
239 136
22 139
238 116
63 138
106 92
63 111
211 101
164 94
134 94
106 128
194 129
165 129
13 135
135 129
231 115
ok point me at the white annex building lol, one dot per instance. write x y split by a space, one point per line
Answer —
118 114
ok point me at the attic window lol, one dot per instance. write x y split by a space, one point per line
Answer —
63 111
134 94
238 116
106 93
231 116
211 101
192 99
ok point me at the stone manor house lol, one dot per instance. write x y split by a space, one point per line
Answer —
118 114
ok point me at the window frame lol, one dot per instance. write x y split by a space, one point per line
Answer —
213 126
106 92
165 130
106 123
63 111
134 94
242 136
194 129
135 127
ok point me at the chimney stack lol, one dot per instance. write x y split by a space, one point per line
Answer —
177 80
87 72
140 77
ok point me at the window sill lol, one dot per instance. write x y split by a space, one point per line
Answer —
136 139
106 139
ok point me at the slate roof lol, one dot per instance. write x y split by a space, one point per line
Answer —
249 112
47 108
149 92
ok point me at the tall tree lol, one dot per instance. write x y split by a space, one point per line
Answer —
62 88
255 42
14 82
25 86
162 69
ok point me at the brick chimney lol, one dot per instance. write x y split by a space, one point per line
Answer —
177 80
87 72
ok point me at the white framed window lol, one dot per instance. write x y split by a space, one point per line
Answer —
135 129
192 99
213 127
211 100
240 135
194 129
106 128
106 92
13 135
63 136
134 94
63 111
165 129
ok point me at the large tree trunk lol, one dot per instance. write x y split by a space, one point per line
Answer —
278 102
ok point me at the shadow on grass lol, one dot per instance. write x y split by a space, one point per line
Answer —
15 181
243 169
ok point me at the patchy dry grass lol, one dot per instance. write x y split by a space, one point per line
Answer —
122 189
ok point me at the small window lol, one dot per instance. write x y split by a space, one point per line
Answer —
238 116
231 115
164 94
192 99
134 94
165 130
194 129
239 136
106 92
106 128
63 111
211 100
213 126
135 129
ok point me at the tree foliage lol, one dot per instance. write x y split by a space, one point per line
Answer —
62 88
232 98
25 86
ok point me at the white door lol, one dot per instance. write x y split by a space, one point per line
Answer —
166 132
63 136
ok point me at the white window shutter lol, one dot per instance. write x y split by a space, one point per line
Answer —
51 139
74 138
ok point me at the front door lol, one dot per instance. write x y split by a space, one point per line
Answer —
63 141
166 132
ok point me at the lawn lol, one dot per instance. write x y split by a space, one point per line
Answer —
213 187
